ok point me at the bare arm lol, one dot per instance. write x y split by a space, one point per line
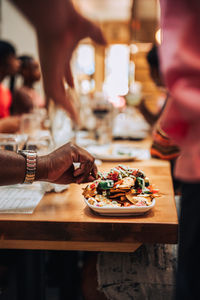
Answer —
9 124
56 167
21 103
12 168
149 116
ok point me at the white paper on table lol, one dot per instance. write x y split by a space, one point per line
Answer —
20 198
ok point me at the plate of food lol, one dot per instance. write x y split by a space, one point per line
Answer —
123 191
116 152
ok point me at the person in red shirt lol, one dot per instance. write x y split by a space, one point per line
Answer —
9 65
5 101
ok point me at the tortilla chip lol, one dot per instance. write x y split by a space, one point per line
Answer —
119 190
134 199
116 195
127 183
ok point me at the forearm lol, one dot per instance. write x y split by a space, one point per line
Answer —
149 116
9 124
13 168
1 126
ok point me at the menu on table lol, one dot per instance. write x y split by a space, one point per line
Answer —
20 198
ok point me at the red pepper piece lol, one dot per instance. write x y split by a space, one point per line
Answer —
118 182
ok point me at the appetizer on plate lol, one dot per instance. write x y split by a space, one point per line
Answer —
120 187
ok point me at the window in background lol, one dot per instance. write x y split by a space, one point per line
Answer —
117 70
84 68
158 36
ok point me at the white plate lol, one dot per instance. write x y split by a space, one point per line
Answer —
137 135
120 211
115 152
116 158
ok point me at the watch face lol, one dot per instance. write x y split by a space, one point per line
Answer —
26 152
29 151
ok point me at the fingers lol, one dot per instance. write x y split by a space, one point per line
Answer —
89 29
86 177
68 75
67 178
84 169
87 166
96 35
83 179
59 95
63 164
53 61
55 90
94 171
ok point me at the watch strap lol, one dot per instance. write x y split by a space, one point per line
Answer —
31 162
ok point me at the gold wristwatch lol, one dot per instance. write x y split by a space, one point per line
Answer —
31 162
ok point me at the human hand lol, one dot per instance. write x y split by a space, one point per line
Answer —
58 167
59 28
9 124
56 52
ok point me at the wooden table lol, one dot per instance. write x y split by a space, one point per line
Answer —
62 221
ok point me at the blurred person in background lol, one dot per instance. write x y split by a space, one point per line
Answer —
162 146
9 66
180 64
26 98
155 73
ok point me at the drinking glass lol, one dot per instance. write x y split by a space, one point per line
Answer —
42 142
103 112
30 124
8 142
